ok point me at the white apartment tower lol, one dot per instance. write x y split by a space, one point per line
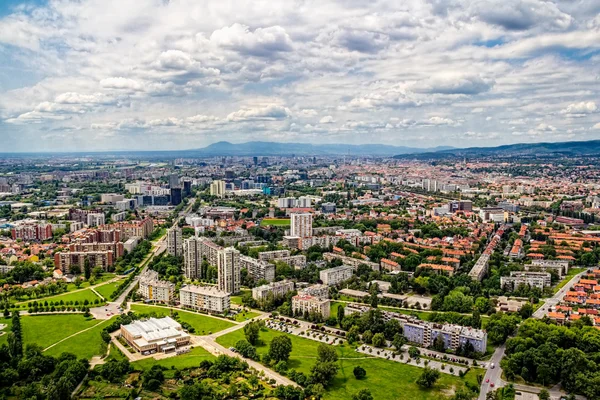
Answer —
301 225
175 241
227 261
229 272
217 188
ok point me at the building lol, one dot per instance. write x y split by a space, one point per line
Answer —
354 262
153 289
460 206
278 289
96 219
131 243
301 225
425 333
229 273
258 269
328 208
533 279
26 232
273 255
336 275
175 241
318 290
155 335
67 261
204 298
127 204
304 304
111 198
176 196
560 266
217 188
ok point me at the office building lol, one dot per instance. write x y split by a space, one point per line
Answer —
173 181
155 335
336 275
204 298
217 188
301 225
175 241
176 196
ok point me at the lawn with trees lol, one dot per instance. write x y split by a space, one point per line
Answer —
46 330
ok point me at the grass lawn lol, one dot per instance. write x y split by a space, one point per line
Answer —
84 345
386 379
101 279
572 272
49 329
202 323
77 296
275 222
237 299
188 360
246 315
107 289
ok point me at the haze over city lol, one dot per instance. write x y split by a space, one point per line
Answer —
156 74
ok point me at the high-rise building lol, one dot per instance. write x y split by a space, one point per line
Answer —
187 188
175 241
217 188
176 196
173 181
96 219
301 225
229 272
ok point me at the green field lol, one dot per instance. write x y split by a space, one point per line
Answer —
189 360
385 379
237 299
49 329
84 345
246 315
107 289
81 296
275 222
203 324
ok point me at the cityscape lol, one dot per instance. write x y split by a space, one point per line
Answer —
299 200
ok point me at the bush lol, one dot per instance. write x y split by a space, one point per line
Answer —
359 372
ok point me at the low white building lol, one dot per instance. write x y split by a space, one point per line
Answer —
204 298
155 334
305 304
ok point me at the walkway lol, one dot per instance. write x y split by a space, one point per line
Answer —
75 334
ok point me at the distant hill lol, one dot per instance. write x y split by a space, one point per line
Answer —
307 149
583 148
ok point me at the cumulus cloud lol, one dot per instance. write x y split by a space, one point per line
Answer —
269 112
121 83
452 83
262 42
580 109
328 119
518 15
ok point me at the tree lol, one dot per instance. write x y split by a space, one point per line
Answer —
367 337
252 332
379 340
428 378
399 341
413 352
340 314
323 372
246 349
353 334
544 395
476 320
326 353
359 372
87 268
280 348
526 311
438 344
363 394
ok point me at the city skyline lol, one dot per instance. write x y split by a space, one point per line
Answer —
153 75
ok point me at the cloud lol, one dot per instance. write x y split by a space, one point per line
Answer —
452 83
262 42
265 113
519 15
327 120
121 83
580 109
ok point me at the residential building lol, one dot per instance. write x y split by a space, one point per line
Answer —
258 269
204 298
301 225
32 231
560 266
96 219
175 241
229 273
153 289
336 275
318 290
303 304
227 261
66 261
217 188
154 335
278 289
533 279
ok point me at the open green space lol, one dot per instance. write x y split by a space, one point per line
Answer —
107 289
386 379
84 345
275 222
572 272
246 315
101 279
49 329
237 299
203 324
188 360
80 296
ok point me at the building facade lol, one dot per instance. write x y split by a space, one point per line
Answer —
204 298
333 276
175 241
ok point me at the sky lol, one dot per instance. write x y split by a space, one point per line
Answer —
182 74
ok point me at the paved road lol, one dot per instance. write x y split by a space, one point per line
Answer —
494 375
557 298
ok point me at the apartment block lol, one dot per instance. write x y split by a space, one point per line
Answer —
306 304
26 232
560 266
333 276
217 188
318 290
175 241
301 225
530 278
66 261
273 255
153 289
96 219
278 289
204 298
258 269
